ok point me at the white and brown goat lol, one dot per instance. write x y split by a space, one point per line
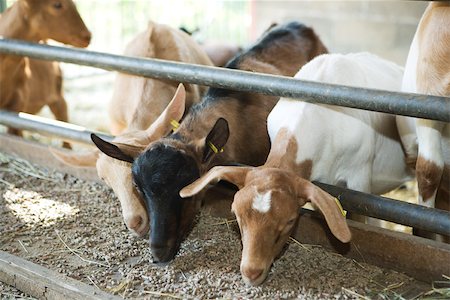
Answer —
336 145
136 104
427 142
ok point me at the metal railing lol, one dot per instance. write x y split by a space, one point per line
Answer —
431 107
52 127
414 105
400 212
413 215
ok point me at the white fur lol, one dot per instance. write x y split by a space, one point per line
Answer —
344 144
262 202
409 82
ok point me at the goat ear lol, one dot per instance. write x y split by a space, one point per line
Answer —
235 175
272 25
216 139
118 151
173 112
86 159
326 203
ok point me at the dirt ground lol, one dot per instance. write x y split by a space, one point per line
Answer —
75 227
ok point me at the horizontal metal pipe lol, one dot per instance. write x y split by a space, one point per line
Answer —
430 107
48 126
400 212
405 104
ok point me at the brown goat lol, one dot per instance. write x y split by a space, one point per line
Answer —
27 85
171 163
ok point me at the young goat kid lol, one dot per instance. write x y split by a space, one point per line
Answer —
171 163
27 85
136 112
336 145
427 142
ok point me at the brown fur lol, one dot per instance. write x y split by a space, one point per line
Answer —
428 177
265 233
433 66
279 55
283 155
433 78
28 85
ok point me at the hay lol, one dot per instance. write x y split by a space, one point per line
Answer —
92 245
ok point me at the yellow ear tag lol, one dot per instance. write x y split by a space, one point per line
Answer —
343 212
214 148
174 124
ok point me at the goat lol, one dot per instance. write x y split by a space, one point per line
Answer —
427 142
219 52
138 101
336 145
26 84
135 106
171 163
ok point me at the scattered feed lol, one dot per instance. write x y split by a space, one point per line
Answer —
75 227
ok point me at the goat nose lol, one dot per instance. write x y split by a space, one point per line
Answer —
161 254
84 39
87 36
137 225
252 274
135 222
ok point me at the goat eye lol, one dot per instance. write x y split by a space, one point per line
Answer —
57 5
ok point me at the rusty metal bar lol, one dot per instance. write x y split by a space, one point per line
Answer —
414 105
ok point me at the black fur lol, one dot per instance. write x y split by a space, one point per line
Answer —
159 174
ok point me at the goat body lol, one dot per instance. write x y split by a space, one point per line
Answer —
337 145
354 148
171 163
26 84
